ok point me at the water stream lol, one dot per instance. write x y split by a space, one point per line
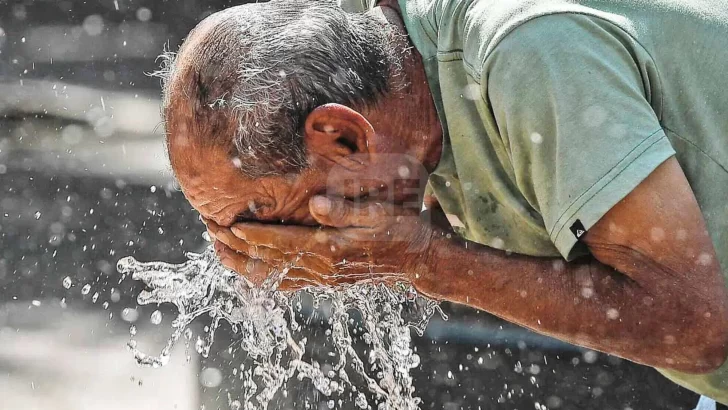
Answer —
267 329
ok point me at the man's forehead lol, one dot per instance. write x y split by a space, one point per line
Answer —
201 163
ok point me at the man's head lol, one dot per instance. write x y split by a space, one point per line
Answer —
268 104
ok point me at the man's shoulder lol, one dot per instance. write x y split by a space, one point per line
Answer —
539 27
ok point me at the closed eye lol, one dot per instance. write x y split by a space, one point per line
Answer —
256 212
246 216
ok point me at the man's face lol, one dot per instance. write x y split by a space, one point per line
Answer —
348 156
219 191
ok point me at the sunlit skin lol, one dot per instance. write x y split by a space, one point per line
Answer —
657 300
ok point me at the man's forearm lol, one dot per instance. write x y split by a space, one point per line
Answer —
655 322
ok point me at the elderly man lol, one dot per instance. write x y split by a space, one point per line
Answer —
579 150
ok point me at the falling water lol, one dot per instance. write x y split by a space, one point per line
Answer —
265 325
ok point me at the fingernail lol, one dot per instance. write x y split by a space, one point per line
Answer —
238 232
321 205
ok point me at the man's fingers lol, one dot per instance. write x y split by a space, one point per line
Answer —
288 239
341 213
256 251
255 270
212 227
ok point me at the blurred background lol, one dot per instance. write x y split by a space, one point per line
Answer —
84 181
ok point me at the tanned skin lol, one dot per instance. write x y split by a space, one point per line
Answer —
651 292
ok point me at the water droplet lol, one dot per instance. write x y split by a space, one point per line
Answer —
143 14
132 330
156 317
657 234
471 92
590 356
594 116
211 377
37 215
93 25
129 315
518 368
115 295
200 345
86 289
705 259
67 282
403 171
587 292
361 401
265 322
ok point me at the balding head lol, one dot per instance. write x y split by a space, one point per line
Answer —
247 77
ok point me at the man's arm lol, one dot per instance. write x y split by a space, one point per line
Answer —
653 293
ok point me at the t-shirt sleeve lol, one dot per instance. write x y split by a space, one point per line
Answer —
570 104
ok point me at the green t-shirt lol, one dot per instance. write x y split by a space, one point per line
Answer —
555 110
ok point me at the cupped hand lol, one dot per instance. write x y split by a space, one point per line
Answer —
364 241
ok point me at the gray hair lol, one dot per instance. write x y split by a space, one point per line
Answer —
266 66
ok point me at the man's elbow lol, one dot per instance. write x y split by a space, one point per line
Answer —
706 347
715 350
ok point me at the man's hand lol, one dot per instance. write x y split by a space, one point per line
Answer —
659 300
369 241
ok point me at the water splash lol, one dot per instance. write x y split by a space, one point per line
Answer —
264 320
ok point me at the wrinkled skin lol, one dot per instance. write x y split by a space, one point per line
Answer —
377 158
669 299
370 241
368 194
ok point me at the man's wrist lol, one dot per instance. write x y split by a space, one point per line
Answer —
425 269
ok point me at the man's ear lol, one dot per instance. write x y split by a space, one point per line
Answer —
340 135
